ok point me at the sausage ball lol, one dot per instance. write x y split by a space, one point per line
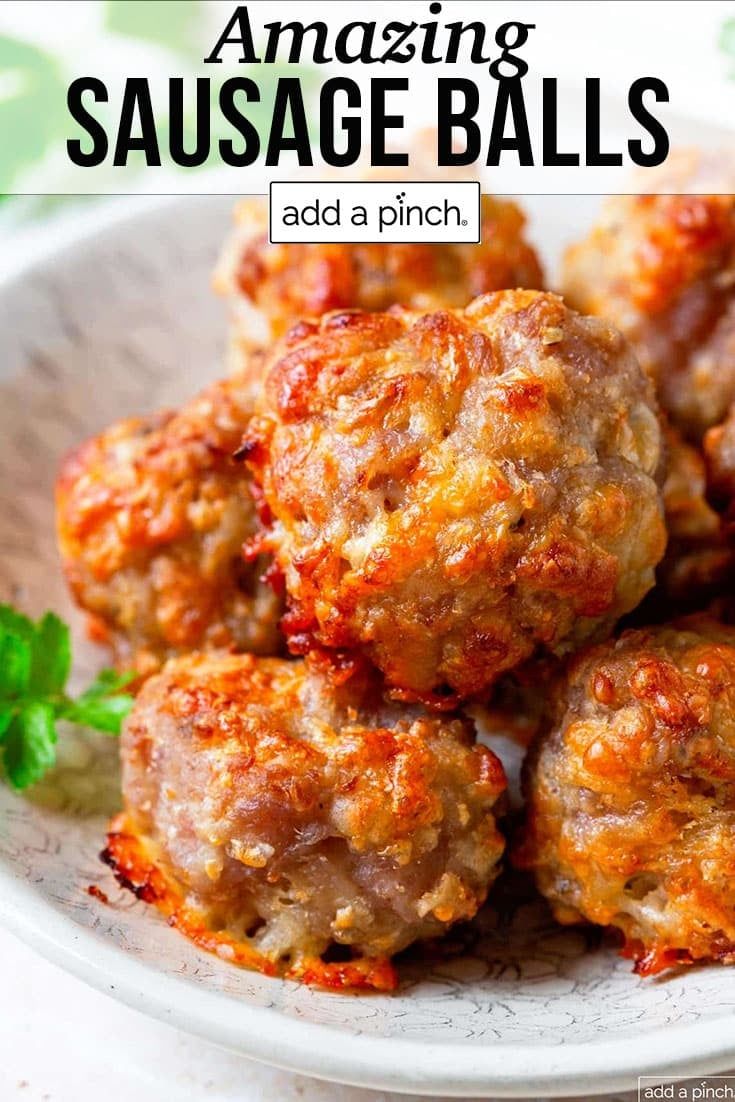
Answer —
275 811
700 558
453 491
719 449
272 286
630 794
152 517
662 268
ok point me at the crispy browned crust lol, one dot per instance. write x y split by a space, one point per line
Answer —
289 282
291 806
629 819
152 517
454 490
700 555
129 857
719 450
662 268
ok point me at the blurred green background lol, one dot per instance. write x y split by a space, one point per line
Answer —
136 37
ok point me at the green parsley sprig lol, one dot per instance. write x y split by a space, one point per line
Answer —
35 661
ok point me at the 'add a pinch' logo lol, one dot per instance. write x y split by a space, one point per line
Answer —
373 211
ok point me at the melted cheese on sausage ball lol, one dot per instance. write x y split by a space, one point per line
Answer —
275 810
152 516
453 491
719 449
700 557
631 791
662 268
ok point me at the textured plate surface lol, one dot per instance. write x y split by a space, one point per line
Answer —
118 319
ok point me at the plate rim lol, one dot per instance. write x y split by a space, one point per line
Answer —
321 1050
312 1048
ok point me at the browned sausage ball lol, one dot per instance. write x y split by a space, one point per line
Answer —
719 448
700 558
631 791
454 490
272 286
275 810
152 517
662 268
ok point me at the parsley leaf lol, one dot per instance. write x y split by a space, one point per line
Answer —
107 681
6 716
29 744
102 706
35 661
104 713
15 664
51 659
16 623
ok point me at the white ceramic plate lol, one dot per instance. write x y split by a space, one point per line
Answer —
118 318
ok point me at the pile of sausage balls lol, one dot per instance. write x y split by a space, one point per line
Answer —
426 479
